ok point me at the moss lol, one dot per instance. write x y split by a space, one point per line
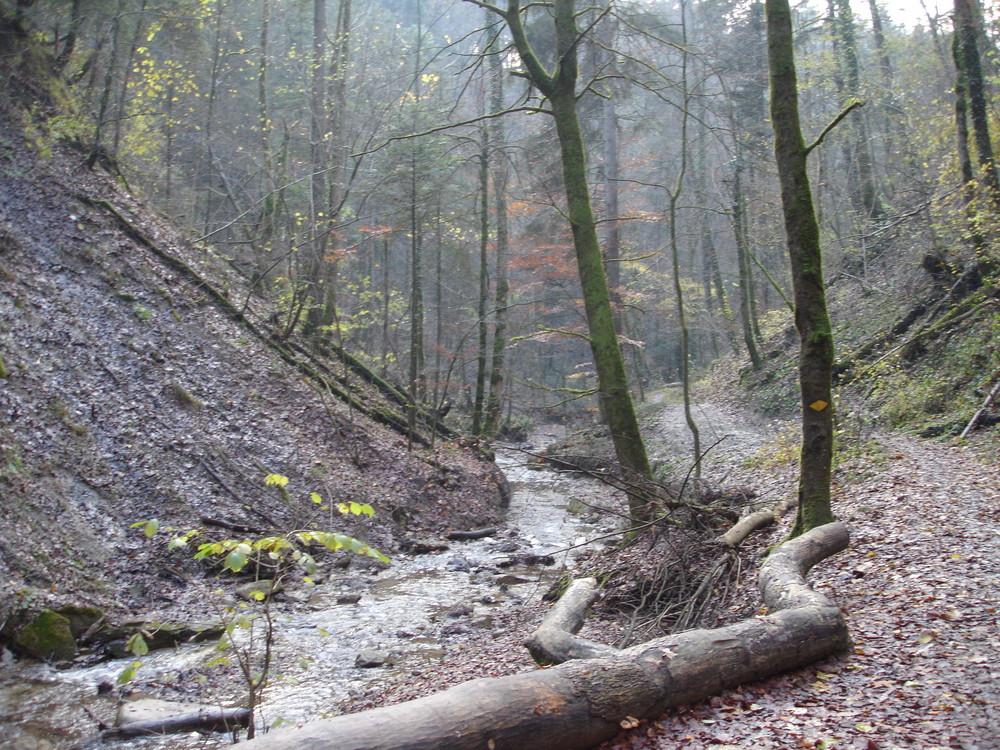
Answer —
182 396
48 636
81 617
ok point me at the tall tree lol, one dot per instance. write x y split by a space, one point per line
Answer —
494 404
558 86
802 234
865 193
966 53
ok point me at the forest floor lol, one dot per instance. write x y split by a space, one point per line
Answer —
920 586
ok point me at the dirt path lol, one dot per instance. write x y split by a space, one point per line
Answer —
727 435
921 589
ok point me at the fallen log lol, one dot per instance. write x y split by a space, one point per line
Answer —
746 526
465 536
555 640
206 720
585 701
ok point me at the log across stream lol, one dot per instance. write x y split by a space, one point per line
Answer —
583 702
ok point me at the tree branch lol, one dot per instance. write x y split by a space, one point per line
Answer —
856 104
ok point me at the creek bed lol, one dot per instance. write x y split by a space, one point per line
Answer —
412 612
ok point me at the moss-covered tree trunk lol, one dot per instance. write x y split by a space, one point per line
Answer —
494 404
559 87
966 55
811 318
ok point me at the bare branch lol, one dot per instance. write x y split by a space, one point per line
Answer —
834 123
448 126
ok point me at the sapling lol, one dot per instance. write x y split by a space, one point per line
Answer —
274 555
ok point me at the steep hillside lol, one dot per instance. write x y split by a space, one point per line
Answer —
917 343
134 388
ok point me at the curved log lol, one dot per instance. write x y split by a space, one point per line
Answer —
746 526
555 641
583 702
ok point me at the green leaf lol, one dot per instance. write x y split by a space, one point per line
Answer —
278 480
149 528
316 498
236 560
137 645
128 673
309 563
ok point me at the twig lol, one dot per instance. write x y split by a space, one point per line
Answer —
992 395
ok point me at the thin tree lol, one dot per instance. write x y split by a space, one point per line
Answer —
559 88
674 197
802 234
494 404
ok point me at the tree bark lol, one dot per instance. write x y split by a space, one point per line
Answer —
968 62
216 720
866 195
583 702
559 87
494 404
802 235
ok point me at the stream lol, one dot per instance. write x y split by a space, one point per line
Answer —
411 613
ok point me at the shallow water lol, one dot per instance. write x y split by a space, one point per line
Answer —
413 611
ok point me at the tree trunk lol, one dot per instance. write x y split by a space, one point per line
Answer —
315 276
968 63
482 324
743 261
584 702
802 235
866 194
105 100
675 195
560 89
494 405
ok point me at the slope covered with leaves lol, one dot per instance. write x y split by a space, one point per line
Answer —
917 340
138 382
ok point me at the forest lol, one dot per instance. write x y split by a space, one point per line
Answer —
275 268
345 158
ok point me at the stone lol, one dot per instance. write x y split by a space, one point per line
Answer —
265 586
48 636
459 564
370 658
81 617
